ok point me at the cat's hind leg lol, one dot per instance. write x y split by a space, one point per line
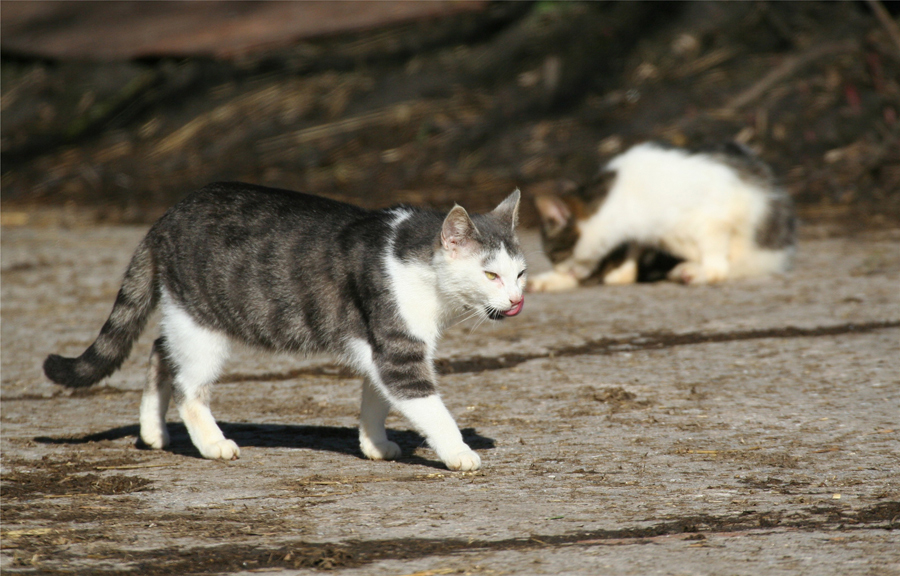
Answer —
155 401
710 261
197 355
705 272
373 440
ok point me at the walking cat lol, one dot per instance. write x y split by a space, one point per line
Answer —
720 212
292 272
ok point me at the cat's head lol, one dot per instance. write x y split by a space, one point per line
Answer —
563 213
481 261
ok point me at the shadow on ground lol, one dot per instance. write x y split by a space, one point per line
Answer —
340 439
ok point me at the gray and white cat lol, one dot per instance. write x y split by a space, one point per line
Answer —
292 272
720 212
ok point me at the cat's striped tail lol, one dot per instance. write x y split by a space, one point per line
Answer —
136 300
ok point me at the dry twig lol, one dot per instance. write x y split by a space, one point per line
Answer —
887 22
789 67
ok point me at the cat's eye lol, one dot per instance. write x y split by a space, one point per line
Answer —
490 275
522 273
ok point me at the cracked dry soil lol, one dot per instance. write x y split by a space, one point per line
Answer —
747 428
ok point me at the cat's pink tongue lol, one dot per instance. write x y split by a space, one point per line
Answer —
516 309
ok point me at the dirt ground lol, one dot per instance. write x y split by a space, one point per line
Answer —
747 428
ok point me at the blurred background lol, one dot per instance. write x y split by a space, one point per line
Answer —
112 111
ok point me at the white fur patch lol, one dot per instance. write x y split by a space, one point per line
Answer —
360 356
400 216
198 353
414 287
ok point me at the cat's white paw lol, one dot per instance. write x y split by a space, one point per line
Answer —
688 273
463 461
552 282
715 272
156 439
386 450
695 273
221 450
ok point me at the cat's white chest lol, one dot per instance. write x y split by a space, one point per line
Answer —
414 287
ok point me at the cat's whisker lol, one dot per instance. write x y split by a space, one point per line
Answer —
468 316
474 315
478 317
483 317
471 315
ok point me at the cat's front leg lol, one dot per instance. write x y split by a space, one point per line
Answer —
627 271
373 439
431 417
565 275
552 281
404 375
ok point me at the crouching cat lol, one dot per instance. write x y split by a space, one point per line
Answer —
718 212
292 272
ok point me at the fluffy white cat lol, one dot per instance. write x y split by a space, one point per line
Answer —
719 212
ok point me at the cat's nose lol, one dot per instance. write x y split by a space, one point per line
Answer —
516 299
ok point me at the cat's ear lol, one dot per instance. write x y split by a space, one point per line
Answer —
508 210
555 213
458 232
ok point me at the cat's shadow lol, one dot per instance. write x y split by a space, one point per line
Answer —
341 439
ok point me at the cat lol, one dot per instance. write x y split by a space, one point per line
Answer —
719 213
287 271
